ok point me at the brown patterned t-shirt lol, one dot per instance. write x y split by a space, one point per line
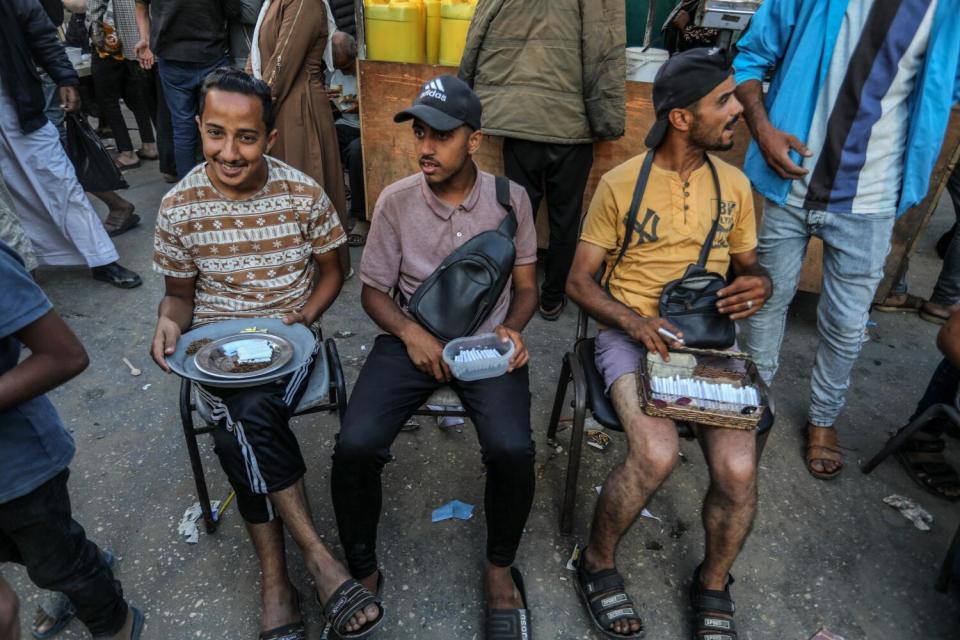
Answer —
252 258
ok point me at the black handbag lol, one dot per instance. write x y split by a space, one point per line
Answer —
461 293
95 168
690 302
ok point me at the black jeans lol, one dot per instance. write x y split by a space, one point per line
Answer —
559 172
113 79
942 388
38 531
389 389
351 156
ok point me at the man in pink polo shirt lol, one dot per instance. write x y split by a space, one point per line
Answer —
417 223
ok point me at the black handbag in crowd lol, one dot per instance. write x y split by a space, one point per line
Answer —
461 293
95 168
690 302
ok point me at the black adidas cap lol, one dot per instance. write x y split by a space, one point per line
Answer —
444 104
681 81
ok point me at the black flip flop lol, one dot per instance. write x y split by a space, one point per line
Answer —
349 598
131 221
510 624
712 611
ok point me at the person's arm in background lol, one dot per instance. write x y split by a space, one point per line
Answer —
76 6
142 48
476 34
56 356
48 51
602 46
948 340
250 11
761 49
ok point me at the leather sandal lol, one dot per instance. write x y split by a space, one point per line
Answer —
819 449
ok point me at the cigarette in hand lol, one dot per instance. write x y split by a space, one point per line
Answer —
669 335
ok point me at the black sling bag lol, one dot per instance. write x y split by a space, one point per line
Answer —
462 292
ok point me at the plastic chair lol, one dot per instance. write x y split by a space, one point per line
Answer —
326 392
580 368
933 412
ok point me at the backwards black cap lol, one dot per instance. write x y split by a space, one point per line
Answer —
681 81
444 104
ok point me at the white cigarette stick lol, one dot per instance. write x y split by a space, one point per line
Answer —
669 335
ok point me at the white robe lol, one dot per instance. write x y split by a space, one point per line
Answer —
56 215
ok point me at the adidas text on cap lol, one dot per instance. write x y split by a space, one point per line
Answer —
444 104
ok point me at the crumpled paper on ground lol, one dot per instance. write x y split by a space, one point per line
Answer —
453 509
188 524
824 634
913 512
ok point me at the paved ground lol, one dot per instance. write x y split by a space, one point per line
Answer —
821 553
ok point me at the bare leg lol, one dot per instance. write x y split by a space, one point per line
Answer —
9 612
731 502
279 604
653 445
327 572
501 590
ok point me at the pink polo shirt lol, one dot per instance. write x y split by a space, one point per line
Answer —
413 231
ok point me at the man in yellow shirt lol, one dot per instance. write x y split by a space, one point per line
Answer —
696 112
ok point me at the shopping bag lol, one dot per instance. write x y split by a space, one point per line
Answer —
91 160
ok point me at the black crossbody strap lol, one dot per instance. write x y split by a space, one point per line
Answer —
638 192
509 223
705 249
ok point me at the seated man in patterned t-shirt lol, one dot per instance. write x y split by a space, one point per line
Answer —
244 235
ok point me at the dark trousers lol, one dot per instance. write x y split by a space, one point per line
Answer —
181 88
160 114
38 531
558 172
942 388
389 389
351 156
113 79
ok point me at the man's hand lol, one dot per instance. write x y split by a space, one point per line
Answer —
164 342
644 331
744 296
775 145
520 355
70 99
144 54
426 352
297 316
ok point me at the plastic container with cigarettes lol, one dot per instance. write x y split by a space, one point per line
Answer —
478 357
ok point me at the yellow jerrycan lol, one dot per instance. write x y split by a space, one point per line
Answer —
395 30
433 30
455 17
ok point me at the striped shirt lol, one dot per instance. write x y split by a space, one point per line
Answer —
858 134
251 258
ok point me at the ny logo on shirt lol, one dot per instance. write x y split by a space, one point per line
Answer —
646 231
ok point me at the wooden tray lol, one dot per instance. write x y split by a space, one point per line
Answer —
713 417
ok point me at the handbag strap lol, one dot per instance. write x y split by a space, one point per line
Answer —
708 244
508 225
638 191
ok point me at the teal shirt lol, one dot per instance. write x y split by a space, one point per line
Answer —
797 38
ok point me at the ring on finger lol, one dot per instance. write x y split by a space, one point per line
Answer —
749 304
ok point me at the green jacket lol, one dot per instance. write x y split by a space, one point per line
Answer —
549 70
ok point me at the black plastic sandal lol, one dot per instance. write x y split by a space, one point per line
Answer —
605 600
712 611
344 603
510 624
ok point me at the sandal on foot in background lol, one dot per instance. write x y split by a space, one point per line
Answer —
712 611
510 624
923 460
821 449
603 596
906 302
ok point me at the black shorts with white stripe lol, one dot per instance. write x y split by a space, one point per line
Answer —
257 449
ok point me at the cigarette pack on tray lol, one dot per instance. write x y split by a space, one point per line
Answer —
729 390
